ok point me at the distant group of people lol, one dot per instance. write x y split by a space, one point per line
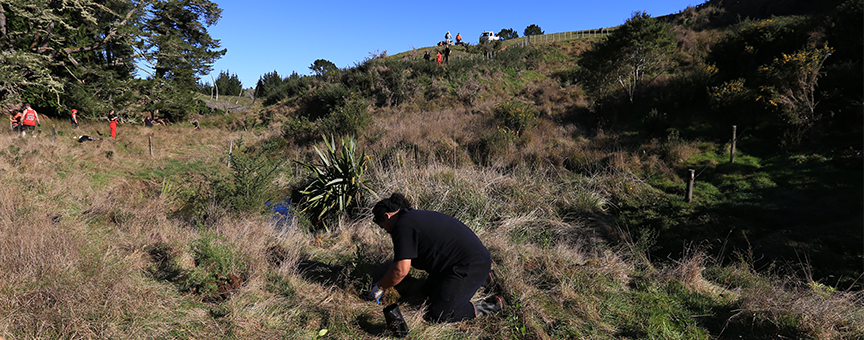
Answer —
445 56
449 42
27 119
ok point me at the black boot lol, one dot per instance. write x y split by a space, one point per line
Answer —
492 285
488 306
395 322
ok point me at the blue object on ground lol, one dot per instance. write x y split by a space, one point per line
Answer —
281 212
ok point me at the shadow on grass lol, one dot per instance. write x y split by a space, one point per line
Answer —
350 278
325 274
803 212
371 325
726 323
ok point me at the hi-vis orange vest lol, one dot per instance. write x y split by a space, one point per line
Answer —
29 117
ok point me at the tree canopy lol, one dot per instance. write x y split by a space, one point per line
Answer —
629 59
268 84
533 29
322 67
229 84
84 54
508 33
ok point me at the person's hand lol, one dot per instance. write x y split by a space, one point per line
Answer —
375 293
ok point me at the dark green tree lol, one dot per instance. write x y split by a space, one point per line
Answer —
845 30
508 33
48 49
323 67
629 59
84 54
532 29
204 87
178 43
228 84
268 84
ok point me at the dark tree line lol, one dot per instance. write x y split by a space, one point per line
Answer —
85 54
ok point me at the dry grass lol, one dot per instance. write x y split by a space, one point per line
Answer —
546 227
817 314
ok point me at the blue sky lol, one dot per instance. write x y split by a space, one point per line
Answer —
288 36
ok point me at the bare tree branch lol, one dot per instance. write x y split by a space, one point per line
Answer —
2 21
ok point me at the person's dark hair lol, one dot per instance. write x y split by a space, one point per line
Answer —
396 202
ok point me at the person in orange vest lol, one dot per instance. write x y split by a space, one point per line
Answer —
15 120
438 58
29 121
112 122
75 118
458 38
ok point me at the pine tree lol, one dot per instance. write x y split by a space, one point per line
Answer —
178 39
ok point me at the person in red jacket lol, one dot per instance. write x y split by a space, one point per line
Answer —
75 118
438 58
112 122
29 120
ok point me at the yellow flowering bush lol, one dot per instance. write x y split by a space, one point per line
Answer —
793 80
516 116
729 93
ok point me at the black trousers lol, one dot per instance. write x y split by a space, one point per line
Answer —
450 292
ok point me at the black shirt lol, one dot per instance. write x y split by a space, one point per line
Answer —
434 241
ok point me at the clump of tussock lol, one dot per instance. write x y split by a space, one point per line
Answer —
688 272
817 314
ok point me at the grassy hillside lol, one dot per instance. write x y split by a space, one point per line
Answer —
124 258
578 198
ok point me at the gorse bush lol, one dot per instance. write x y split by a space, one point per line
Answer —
756 42
349 119
516 116
793 87
338 182
324 99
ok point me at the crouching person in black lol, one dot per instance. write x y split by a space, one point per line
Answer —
457 262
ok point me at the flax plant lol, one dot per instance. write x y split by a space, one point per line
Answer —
338 182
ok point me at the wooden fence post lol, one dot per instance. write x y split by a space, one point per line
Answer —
150 144
690 186
230 149
732 149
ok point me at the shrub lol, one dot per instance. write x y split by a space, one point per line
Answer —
516 116
251 181
756 42
733 101
219 269
300 130
324 100
293 85
338 182
348 119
